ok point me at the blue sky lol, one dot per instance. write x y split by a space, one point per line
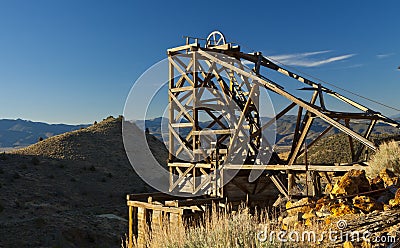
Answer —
75 61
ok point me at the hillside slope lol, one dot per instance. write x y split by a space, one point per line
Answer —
55 193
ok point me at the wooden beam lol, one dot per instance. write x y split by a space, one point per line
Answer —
177 102
273 120
280 186
174 50
178 68
294 99
180 89
181 177
219 131
178 138
306 127
367 134
295 167
347 123
316 139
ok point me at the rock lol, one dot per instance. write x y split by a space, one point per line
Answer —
321 203
386 207
393 203
367 204
397 195
308 215
348 244
396 201
353 182
340 209
389 178
377 183
303 205
322 214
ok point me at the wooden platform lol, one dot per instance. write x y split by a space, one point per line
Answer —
148 212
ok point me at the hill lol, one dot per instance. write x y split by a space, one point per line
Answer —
19 133
69 190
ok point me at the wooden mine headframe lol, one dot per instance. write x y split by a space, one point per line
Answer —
211 83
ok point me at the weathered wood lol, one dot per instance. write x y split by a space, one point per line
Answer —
142 227
294 99
294 167
181 48
130 228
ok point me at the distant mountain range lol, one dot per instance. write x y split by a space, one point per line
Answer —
20 133
285 127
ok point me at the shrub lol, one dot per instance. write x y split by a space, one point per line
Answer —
386 157
3 156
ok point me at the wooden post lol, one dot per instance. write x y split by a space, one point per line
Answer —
142 227
130 223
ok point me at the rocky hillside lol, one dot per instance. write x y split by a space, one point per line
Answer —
69 190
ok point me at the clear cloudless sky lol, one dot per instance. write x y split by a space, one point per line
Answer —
74 61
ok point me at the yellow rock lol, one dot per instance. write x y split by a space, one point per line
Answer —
308 215
389 178
366 244
308 222
394 202
367 204
352 182
386 207
328 221
342 209
348 244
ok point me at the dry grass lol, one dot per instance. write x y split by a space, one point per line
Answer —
386 157
222 229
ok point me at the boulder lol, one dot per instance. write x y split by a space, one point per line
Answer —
353 182
366 204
